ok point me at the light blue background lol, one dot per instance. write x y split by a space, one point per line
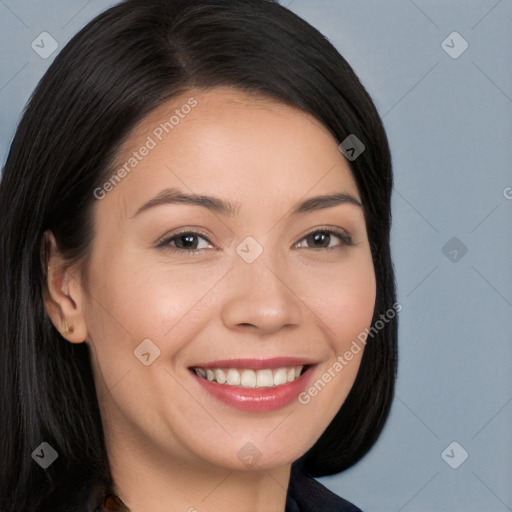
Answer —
449 123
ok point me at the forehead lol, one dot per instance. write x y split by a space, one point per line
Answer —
233 144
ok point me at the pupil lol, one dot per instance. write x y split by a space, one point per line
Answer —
321 236
189 244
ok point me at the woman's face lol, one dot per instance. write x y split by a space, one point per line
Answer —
245 285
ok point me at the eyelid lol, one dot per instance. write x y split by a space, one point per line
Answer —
166 239
337 231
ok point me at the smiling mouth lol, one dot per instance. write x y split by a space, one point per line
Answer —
249 378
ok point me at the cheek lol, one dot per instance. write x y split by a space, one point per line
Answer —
126 306
345 306
352 313
131 301
137 298
344 300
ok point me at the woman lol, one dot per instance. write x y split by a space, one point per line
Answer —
194 258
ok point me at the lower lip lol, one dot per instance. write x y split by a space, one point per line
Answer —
257 399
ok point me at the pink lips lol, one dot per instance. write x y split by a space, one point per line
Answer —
256 399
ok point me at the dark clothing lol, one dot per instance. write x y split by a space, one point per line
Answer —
305 494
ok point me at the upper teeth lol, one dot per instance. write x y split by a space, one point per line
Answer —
250 378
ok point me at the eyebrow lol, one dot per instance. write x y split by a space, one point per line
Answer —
225 208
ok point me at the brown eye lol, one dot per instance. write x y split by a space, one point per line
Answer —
187 241
323 239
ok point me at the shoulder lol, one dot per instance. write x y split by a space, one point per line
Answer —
305 494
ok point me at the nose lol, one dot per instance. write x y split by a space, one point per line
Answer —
260 297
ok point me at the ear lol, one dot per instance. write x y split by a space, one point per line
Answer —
63 294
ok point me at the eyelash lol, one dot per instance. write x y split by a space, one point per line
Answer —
345 239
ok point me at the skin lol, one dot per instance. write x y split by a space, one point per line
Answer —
171 446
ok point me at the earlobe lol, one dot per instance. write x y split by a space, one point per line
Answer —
62 292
